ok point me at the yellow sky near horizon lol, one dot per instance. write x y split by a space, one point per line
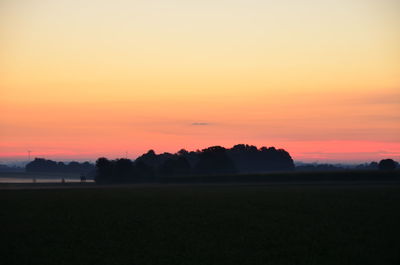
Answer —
90 78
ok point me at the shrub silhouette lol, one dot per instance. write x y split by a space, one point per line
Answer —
387 164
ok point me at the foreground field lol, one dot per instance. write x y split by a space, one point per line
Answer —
202 225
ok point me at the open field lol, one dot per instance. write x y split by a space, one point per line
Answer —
192 224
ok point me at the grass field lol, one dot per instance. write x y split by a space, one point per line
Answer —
192 224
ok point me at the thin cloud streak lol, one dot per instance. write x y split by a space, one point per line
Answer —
200 124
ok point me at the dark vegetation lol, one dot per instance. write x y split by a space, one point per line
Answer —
278 225
387 164
214 164
7 168
335 167
44 165
212 161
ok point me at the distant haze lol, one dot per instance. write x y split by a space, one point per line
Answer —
83 79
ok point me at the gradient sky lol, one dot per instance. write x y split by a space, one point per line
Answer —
88 78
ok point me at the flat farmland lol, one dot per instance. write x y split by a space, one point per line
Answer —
202 224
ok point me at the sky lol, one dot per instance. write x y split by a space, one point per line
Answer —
80 79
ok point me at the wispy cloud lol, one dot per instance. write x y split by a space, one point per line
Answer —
200 123
388 98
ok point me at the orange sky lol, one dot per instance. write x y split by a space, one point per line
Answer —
83 79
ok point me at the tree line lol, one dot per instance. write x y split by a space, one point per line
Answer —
384 164
45 165
214 160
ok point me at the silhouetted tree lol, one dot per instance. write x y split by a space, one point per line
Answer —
104 170
387 164
214 160
176 166
123 170
367 166
373 165
41 165
249 159
192 157
152 159
182 152
143 172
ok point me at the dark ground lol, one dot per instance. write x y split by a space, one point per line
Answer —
202 224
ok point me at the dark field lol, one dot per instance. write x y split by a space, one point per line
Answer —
189 224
